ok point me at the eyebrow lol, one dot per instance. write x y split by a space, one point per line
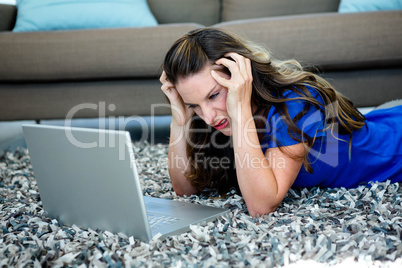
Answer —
206 97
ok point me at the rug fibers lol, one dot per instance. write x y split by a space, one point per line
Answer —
315 227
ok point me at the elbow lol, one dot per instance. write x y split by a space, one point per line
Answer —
263 204
180 191
260 210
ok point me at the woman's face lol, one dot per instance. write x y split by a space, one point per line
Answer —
207 98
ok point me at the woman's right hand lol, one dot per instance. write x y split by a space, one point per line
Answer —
180 113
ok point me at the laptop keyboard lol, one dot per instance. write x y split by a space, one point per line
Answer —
156 220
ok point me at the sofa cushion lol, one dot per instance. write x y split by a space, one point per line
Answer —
49 100
87 54
7 15
240 9
332 40
205 12
347 6
46 15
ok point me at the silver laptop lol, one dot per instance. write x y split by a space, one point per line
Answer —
88 177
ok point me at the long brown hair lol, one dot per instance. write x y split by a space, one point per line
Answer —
271 79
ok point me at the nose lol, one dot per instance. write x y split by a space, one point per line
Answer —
208 114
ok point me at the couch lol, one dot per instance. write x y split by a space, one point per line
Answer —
49 74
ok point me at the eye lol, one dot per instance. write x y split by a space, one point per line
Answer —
213 96
192 106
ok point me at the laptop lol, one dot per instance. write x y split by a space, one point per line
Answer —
88 177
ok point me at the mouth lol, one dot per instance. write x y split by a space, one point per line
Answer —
222 124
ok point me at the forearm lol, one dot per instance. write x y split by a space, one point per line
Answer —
255 176
178 162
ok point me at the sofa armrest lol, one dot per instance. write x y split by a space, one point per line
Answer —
8 15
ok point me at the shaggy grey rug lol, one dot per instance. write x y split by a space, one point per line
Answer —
315 227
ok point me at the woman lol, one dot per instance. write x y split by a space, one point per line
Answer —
242 119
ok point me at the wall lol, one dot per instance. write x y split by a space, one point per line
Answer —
11 2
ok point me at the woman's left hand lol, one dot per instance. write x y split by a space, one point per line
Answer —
238 100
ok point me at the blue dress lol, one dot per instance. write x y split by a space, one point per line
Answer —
376 149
